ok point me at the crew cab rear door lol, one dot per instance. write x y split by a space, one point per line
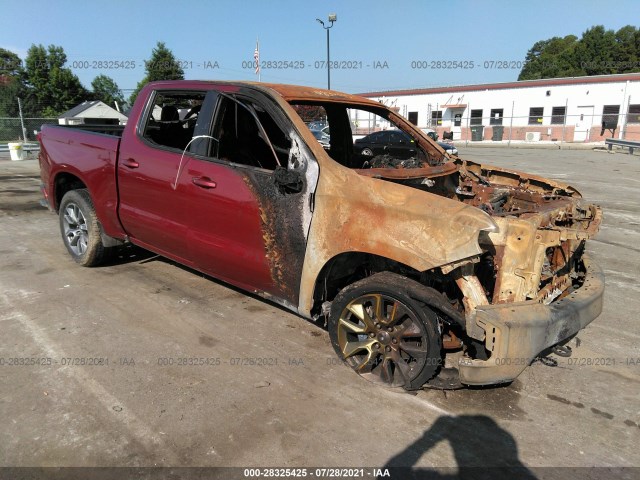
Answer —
151 205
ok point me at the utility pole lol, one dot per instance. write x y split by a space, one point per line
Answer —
332 18
24 130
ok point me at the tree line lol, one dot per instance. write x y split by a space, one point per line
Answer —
48 88
598 52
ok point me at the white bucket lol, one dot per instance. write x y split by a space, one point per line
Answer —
16 151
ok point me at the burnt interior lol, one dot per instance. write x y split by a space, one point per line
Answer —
342 127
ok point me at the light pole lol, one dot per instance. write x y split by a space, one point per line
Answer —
332 18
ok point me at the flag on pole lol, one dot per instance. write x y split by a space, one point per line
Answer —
256 59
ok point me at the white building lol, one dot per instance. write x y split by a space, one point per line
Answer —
92 112
575 109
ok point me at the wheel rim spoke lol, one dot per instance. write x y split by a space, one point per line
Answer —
352 327
71 214
404 369
82 245
73 240
359 310
386 372
392 314
413 350
411 330
366 364
351 348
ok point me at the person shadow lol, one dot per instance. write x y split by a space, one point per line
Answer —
482 450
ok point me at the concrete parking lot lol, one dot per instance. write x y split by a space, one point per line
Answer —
145 363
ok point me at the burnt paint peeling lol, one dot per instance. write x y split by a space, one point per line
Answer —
282 232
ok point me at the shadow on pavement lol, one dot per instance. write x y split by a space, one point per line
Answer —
482 449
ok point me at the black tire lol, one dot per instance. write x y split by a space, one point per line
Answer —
367 152
384 334
80 229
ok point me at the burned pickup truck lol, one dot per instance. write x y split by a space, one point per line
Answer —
411 259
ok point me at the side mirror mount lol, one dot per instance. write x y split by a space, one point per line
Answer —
288 181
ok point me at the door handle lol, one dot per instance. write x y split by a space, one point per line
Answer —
130 163
203 182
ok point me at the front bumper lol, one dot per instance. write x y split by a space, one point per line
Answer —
517 332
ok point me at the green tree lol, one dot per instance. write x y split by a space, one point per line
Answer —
551 58
10 63
627 54
50 87
107 90
597 52
161 66
11 85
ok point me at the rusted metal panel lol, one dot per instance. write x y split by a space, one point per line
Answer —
407 173
359 214
517 332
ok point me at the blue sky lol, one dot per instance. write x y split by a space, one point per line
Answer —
388 34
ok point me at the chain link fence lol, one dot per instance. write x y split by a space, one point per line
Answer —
541 125
551 125
25 129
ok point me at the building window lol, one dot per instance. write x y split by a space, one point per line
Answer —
413 117
558 115
610 116
436 117
634 113
496 116
476 117
535 115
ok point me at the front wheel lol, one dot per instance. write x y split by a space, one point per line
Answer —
385 335
80 229
367 152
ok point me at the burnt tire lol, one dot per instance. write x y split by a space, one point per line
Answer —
80 229
384 334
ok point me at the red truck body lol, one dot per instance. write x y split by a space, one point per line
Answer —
215 230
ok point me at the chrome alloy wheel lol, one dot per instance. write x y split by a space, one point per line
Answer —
75 229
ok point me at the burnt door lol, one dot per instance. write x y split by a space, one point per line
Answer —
248 198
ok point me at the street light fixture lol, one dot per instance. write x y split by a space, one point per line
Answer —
332 18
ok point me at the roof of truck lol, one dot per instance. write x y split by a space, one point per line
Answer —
288 92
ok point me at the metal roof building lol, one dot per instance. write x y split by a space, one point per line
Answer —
92 112
575 109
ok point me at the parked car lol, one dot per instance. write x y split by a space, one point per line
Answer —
317 125
433 135
323 138
393 142
407 262
449 148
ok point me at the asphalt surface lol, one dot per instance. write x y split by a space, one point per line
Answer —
145 363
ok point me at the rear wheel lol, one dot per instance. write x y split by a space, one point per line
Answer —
385 335
80 229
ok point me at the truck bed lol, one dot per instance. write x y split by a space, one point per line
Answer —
85 154
114 130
